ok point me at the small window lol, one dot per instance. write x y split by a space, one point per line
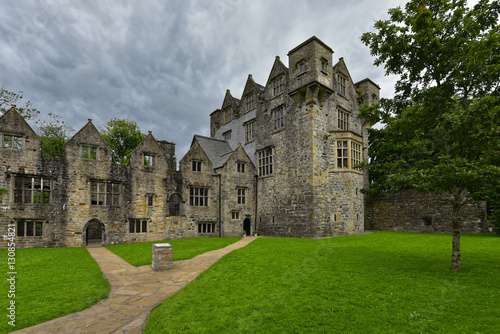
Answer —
138 225
206 228
196 166
240 167
29 228
89 152
427 221
342 154
235 215
227 135
149 160
151 200
324 65
11 142
301 67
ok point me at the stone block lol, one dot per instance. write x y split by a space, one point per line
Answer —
162 257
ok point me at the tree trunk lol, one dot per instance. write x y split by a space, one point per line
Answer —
456 224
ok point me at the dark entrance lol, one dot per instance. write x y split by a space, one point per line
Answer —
247 226
94 232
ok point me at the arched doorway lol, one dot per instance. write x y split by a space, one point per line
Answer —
247 226
93 233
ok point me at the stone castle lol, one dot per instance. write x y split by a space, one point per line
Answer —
281 160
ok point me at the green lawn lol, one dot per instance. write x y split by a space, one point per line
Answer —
140 254
50 283
385 282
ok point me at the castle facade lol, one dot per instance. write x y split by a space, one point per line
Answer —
281 160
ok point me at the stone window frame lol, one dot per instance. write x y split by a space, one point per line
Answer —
30 227
207 227
249 130
348 154
341 84
278 84
235 215
279 117
16 142
227 115
301 67
265 161
227 135
324 65
138 225
105 193
240 166
150 200
250 102
241 195
343 117
196 165
89 152
32 189
198 196
149 159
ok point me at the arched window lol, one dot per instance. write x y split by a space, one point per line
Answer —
174 205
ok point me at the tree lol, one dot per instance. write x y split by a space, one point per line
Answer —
54 133
442 128
122 136
10 99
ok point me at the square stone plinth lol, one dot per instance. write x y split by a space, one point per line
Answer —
162 257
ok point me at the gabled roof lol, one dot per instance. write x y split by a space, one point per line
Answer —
150 142
12 121
341 67
251 85
88 134
216 150
229 100
277 69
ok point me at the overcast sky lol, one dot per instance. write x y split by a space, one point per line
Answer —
167 64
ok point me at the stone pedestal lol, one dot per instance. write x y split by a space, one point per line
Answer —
162 257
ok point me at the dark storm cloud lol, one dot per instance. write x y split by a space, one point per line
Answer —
166 64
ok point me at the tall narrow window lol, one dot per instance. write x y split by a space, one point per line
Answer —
196 166
355 154
279 117
249 131
343 120
240 167
174 205
250 104
324 65
265 161
342 154
241 195
341 84
278 86
226 114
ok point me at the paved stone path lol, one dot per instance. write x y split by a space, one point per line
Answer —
134 292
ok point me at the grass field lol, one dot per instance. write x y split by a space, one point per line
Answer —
385 282
49 283
140 254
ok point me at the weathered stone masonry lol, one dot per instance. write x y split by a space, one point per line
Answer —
281 160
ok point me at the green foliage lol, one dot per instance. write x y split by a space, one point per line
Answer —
10 99
54 133
3 191
385 282
442 131
50 283
139 254
122 136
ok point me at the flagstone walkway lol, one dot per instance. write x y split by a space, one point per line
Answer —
134 292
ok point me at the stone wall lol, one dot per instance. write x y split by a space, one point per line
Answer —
411 211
